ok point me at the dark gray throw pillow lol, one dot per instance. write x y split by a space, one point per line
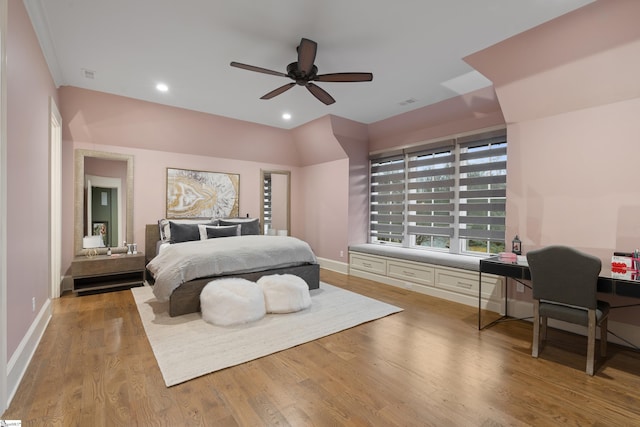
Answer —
184 232
248 225
222 231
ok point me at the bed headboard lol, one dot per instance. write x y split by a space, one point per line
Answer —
151 237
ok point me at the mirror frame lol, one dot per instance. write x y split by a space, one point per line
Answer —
277 172
79 157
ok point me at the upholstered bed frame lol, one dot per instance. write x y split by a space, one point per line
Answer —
186 298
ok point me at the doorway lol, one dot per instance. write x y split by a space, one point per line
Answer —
275 206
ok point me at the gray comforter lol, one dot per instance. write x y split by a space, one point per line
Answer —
183 262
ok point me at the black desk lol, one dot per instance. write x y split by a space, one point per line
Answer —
520 271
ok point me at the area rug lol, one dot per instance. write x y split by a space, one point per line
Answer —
187 347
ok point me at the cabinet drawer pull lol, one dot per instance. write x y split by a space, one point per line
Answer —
408 273
464 285
366 264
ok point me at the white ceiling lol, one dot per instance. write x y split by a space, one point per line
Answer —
414 48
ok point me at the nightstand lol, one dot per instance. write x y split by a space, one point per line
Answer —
103 272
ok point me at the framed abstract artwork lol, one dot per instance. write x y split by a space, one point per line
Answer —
199 194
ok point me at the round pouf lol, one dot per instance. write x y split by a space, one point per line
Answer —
285 293
232 301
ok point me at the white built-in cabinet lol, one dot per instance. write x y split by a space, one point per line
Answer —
436 280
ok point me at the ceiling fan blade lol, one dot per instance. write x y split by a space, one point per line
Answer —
278 91
306 55
345 77
321 94
257 69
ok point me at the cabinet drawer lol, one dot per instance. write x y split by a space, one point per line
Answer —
457 282
467 283
368 263
410 272
102 264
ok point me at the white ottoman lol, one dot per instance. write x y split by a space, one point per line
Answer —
285 293
232 301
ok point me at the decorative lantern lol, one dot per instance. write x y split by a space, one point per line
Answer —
516 246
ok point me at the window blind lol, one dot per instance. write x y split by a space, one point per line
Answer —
448 194
266 201
387 199
431 183
483 186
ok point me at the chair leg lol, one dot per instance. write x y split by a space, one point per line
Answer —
603 337
591 342
536 328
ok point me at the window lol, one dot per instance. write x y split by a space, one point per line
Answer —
447 196
387 199
266 202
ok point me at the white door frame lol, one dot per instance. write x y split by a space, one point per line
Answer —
3 207
55 199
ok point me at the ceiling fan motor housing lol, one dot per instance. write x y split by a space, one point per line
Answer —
295 73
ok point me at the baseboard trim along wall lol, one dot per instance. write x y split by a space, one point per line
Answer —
338 266
21 358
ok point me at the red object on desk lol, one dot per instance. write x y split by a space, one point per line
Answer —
508 256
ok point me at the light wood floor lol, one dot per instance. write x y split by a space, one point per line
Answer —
428 365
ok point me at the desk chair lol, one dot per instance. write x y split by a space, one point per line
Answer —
564 283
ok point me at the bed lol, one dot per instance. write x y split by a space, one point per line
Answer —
182 288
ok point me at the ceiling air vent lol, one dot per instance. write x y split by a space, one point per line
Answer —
88 74
407 101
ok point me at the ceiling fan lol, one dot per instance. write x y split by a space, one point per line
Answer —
304 72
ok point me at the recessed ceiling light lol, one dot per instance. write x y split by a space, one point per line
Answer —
162 87
286 116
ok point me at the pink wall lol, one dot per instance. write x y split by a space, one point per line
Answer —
317 143
29 86
476 110
571 179
570 92
354 140
326 198
106 119
583 59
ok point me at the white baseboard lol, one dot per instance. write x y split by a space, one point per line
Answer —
338 266
21 358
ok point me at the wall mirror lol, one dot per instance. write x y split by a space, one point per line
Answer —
103 201
275 206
